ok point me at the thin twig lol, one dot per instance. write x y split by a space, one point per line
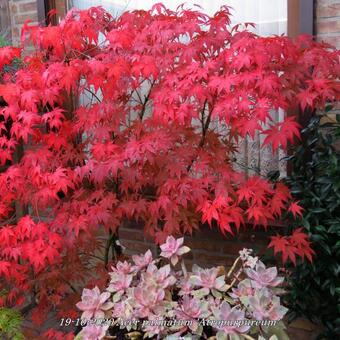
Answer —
93 94
205 127
147 97
107 248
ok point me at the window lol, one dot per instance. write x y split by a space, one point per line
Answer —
271 18
46 6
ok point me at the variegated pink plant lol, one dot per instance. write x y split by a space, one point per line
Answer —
264 305
153 293
264 277
161 277
231 315
142 261
172 249
193 309
93 332
94 304
119 282
208 279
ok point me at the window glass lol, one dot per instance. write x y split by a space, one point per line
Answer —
269 16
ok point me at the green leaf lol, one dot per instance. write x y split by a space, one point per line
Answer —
315 183
10 324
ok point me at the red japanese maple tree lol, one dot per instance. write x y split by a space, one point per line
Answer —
110 120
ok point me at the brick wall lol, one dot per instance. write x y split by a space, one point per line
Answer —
20 11
327 21
209 246
327 28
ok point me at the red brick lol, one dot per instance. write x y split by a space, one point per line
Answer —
188 256
212 260
21 18
131 234
28 7
329 26
15 31
211 245
332 40
13 9
132 225
233 248
189 264
136 247
327 10
252 237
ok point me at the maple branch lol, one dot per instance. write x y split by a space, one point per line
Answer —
26 309
74 52
93 94
20 209
146 99
205 127
140 98
69 284
256 170
37 210
94 256
13 218
202 114
116 248
107 248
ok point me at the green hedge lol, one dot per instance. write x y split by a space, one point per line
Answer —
315 181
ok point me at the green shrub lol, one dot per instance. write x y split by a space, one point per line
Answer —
315 182
10 324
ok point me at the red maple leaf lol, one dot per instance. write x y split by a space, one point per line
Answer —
7 54
282 133
291 246
295 209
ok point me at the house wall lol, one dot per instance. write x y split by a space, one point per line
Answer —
20 11
327 29
209 246
327 21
